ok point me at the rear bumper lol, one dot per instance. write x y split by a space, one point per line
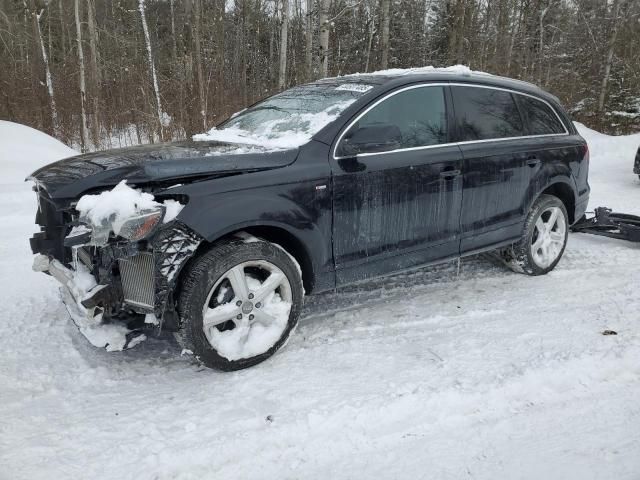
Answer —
581 208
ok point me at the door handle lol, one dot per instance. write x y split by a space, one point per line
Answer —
449 173
533 161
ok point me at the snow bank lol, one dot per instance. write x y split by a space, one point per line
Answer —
613 183
24 149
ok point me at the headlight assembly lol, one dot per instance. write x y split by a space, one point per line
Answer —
142 225
134 227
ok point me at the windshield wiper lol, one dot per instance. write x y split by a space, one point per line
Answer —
267 107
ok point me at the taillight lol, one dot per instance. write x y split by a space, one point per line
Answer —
586 154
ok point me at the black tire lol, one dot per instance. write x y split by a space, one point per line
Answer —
200 278
519 256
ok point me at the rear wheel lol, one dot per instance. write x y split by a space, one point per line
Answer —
543 240
239 303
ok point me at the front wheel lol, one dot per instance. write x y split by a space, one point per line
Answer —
239 303
543 240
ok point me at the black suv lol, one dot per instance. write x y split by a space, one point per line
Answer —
325 184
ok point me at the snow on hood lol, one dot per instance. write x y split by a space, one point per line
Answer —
277 134
23 149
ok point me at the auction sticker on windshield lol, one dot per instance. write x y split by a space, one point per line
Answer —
354 87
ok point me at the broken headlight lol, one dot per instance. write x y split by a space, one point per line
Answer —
139 227
134 227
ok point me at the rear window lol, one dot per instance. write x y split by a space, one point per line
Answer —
542 120
486 113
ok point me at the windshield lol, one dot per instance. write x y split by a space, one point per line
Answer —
290 118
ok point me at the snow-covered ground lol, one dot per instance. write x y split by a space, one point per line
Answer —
435 375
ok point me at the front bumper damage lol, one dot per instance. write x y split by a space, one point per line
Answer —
117 293
84 300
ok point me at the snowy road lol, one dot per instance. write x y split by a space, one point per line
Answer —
434 374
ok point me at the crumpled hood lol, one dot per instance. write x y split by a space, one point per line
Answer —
179 161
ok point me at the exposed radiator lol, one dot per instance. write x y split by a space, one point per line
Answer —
136 274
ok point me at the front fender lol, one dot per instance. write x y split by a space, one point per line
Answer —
298 208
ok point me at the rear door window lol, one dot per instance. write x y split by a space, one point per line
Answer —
486 113
541 118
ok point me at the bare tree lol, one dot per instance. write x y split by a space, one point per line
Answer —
198 60
83 91
308 52
48 77
95 71
323 20
284 31
385 6
615 10
372 31
152 66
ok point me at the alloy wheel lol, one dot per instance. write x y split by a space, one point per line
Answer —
247 310
549 237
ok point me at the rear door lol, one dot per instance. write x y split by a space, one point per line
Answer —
495 171
551 153
399 207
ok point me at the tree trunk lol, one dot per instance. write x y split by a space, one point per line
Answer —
174 44
284 31
152 67
372 32
63 40
83 92
197 42
323 20
609 59
308 50
541 56
220 10
48 77
95 72
384 37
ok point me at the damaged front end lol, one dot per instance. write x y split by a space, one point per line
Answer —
117 259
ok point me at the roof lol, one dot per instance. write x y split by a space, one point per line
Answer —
456 73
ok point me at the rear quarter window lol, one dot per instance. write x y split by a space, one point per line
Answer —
541 118
486 113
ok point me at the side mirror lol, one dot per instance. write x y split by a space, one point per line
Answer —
377 137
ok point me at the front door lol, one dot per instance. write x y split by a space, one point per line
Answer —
397 186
